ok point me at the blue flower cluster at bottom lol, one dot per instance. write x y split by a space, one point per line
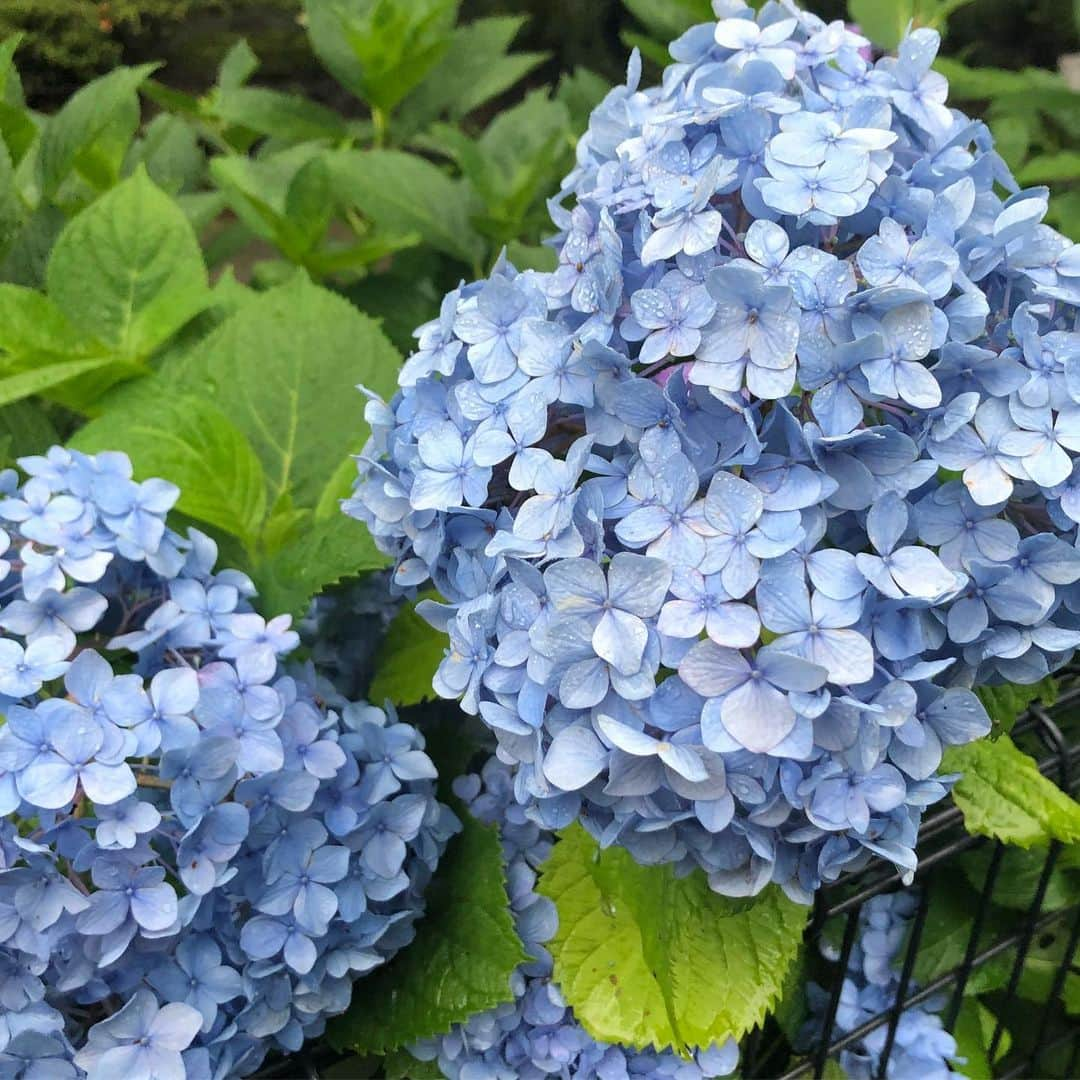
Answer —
536 1035
202 847
922 1049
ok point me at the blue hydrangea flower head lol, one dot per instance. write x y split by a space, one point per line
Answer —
201 848
733 510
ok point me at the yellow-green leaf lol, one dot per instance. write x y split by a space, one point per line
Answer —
1003 794
646 958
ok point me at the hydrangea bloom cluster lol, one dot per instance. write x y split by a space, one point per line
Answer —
733 509
199 852
923 1047
536 1035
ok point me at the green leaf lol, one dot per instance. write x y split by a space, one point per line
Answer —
380 49
257 188
519 148
1064 213
646 958
1013 133
84 118
460 963
1042 963
669 18
282 369
1051 168
308 203
1006 703
1003 794
974 1029
171 153
337 488
654 51
11 210
1018 877
532 256
10 90
947 932
882 21
201 207
407 660
190 442
26 429
401 1065
791 1008
239 64
398 300
474 69
29 252
273 112
37 380
984 83
581 90
128 269
33 327
324 553
403 193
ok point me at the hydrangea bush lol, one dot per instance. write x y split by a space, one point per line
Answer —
200 849
922 1046
536 1035
733 510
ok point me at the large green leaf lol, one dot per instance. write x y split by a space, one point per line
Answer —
192 443
646 958
407 659
282 368
324 553
1003 794
460 963
403 193
128 270
85 117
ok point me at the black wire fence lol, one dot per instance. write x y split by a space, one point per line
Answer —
1047 1042
1043 1042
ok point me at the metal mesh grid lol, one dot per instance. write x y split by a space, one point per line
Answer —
941 838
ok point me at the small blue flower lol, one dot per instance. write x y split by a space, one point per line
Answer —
449 475
197 977
748 699
752 336
143 1041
